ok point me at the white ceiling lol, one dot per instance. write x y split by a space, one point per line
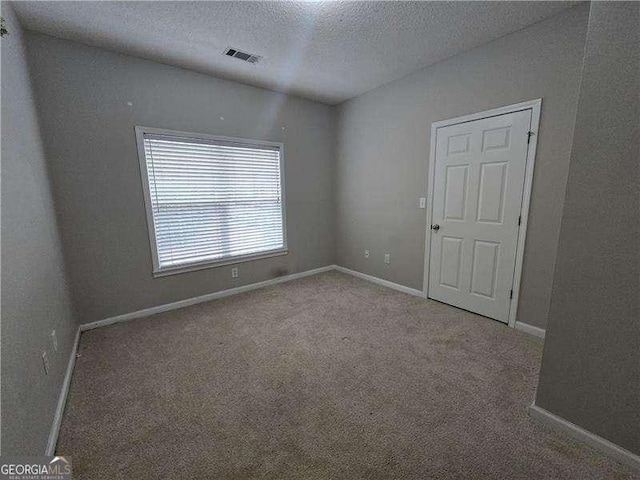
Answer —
326 51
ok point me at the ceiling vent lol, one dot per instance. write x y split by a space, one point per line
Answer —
247 57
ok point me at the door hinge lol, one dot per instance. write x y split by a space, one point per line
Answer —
511 294
519 219
529 135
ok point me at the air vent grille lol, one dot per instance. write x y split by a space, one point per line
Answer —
240 55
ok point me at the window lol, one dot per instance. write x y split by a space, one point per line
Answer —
210 200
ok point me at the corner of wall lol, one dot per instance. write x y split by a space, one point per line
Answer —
35 293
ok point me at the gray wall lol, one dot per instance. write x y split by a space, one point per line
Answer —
591 364
35 300
383 150
87 125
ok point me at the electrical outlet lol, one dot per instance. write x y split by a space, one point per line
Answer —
423 202
366 254
234 272
387 258
54 340
45 362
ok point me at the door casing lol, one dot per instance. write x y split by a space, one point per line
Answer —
535 107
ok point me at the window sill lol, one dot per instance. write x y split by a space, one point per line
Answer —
217 263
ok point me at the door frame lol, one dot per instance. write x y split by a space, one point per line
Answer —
535 107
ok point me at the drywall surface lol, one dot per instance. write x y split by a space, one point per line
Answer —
591 364
35 299
89 101
383 151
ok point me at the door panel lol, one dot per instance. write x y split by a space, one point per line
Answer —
451 262
493 177
478 186
456 193
484 268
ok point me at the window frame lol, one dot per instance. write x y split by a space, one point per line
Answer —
157 271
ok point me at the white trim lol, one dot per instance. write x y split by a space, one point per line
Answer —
203 298
525 327
602 444
62 399
535 107
64 392
494 112
157 271
146 195
245 288
379 281
192 267
428 231
530 329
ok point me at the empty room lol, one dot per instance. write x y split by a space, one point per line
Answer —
320 240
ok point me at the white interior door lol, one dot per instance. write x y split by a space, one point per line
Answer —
477 197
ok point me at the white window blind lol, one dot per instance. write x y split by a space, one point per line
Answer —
212 200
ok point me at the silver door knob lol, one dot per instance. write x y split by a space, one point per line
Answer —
435 227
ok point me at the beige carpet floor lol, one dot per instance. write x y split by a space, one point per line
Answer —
327 377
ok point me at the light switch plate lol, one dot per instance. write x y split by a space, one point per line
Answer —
423 202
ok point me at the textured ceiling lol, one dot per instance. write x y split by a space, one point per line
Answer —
326 51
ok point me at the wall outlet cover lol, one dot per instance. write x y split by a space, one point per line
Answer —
387 258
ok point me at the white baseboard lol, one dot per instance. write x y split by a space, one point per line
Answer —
379 281
605 446
62 399
530 329
245 288
203 298
538 332
525 327
64 391
55 428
